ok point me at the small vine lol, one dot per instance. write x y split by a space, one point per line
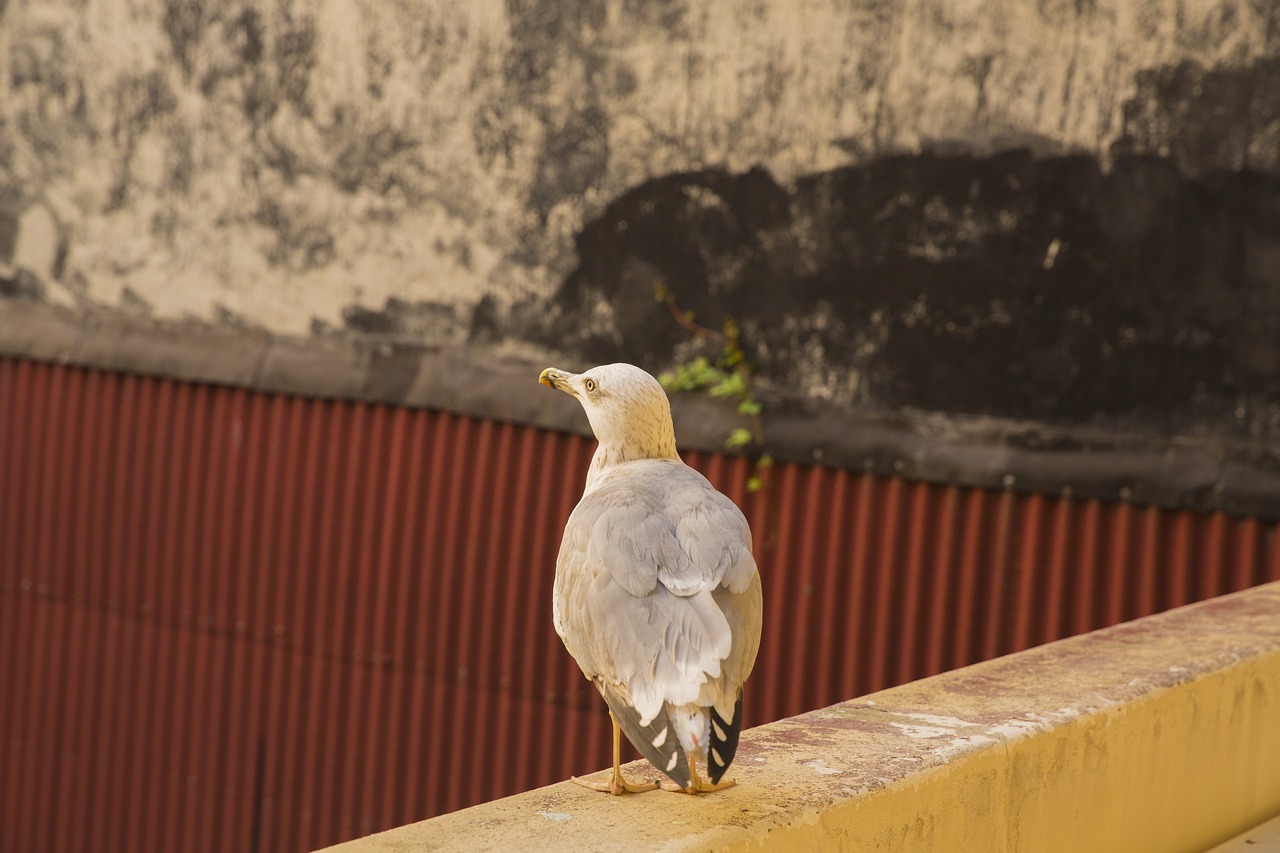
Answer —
728 376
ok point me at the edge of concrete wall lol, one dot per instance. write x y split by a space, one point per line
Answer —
1157 734
500 383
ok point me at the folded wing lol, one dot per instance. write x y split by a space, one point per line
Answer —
657 598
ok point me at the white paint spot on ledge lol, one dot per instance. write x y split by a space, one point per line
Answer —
937 720
958 745
821 767
556 816
923 731
1016 728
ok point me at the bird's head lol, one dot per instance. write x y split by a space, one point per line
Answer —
627 408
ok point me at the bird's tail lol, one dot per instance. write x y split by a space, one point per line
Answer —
724 740
657 741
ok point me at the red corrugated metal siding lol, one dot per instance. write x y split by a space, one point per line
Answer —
232 620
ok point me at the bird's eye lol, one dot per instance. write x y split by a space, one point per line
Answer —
590 385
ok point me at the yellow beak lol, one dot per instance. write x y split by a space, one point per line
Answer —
553 378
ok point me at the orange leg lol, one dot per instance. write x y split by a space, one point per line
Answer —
616 785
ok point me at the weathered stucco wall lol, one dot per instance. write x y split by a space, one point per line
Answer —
1064 212
285 161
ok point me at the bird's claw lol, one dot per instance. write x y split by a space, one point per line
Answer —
698 787
617 786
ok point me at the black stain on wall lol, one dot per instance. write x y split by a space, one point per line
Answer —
704 235
1216 118
402 321
1143 295
1044 289
550 42
574 158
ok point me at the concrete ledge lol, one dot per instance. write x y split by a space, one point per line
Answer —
500 382
1160 734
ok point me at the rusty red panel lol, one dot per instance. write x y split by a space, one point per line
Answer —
232 620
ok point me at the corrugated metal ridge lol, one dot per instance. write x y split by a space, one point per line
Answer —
1201 473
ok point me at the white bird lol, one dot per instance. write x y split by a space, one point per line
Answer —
656 596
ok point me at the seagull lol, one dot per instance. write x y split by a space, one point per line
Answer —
657 596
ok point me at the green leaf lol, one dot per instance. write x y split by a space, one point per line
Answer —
738 438
764 461
683 379
729 386
754 484
695 376
750 408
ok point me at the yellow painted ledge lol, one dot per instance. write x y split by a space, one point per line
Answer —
1162 734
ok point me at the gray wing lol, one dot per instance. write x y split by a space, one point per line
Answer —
657 596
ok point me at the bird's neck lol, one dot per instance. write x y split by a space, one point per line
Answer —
609 455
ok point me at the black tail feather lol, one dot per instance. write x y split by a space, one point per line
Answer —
724 741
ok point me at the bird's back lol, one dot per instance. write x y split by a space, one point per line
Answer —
658 598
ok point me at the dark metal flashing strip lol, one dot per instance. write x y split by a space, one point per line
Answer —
1198 473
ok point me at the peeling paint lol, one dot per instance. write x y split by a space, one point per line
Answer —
922 731
959 745
820 767
1015 728
952 722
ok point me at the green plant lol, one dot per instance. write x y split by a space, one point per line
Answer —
727 376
